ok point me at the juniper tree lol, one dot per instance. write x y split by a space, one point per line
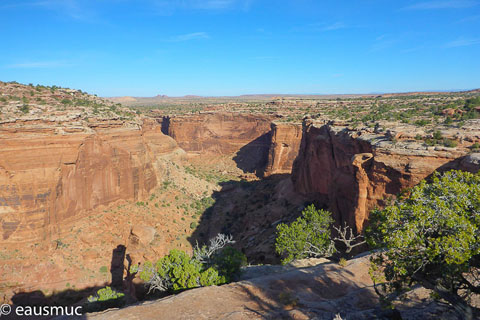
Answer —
432 239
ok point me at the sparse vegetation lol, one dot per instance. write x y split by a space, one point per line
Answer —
431 238
210 265
308 236
105 298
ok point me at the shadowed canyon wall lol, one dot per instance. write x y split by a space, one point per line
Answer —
46 178
353 171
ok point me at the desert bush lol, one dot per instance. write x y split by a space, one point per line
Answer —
437 135
308 236
177 271
214 264
475 146
105 298
25 108
449 143
448 120
422 122
228 263
431 239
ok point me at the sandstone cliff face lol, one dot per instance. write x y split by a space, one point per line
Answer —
353 171
259 145
47 178
285 144
219 133
248 137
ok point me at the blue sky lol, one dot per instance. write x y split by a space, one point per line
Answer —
233 47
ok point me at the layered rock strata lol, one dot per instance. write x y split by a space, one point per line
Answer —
352 171
46 178
285 144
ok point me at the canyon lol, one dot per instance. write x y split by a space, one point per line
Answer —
77 183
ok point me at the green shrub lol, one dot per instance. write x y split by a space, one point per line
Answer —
105 294
177 271
210 265
105 298
422 122
308 236
25 108
193 225
437 135
475 146
431 238
449 143
103 269
228 262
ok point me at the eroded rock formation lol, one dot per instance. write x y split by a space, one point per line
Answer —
286 138
353 171
46 178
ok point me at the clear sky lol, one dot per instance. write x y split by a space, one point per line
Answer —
233 47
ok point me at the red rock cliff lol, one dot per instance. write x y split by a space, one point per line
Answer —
352 171
219 133
46 178
245 136
286 138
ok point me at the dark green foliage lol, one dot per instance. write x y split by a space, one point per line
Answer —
25 108
308 236
228 263
449 143
105 298
471 103
422 122
437 135
179 271
432 238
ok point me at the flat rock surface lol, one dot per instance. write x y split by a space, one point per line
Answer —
318 292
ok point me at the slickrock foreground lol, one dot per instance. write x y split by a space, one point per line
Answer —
318 292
